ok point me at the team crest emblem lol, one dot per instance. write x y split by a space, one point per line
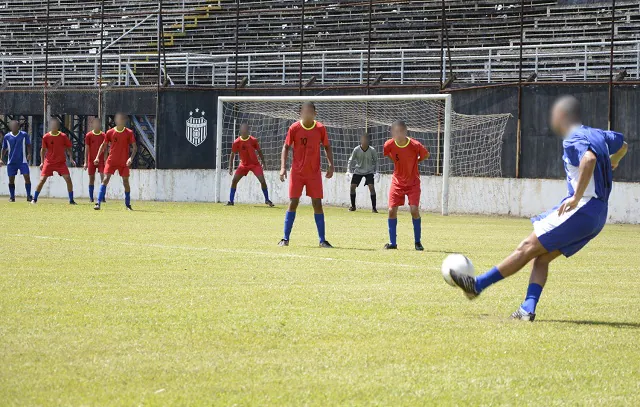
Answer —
196 128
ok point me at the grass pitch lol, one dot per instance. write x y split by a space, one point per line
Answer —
194 304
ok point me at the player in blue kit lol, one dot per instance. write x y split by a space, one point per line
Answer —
589 157
17 146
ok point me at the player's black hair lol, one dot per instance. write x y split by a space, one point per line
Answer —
400 123
308 104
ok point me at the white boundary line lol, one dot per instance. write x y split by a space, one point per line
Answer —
230 251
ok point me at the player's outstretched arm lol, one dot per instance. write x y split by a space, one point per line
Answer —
283 162
232 158
134 151
585 170
329 152
619 155
351 163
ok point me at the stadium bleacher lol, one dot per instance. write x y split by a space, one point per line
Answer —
563 42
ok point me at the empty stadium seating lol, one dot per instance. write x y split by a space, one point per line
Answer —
563 42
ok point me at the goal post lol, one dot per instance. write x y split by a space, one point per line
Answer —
460 145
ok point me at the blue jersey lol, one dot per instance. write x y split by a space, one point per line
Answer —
16 146
603 144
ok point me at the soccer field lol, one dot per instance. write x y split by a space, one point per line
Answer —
194 304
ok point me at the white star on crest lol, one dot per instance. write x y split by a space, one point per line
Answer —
203 112
190 113
197 110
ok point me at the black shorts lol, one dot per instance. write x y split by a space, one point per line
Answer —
356 178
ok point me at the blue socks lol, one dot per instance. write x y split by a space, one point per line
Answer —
319 218
12 191
490 277
232 195
91 188
35 196
417 229
127 198
393 225
28 188
102 194
265 192
533 296
70 196
289 217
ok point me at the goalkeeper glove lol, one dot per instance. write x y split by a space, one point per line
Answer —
376 177
349 175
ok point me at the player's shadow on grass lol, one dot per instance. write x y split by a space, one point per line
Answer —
627 325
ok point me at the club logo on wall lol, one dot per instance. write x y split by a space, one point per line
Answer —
196 128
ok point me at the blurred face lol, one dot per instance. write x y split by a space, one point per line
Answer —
244 130
14 126
398 132
364 140
95 124
54 126
121 120
307 113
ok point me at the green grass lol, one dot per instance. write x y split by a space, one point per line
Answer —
193 304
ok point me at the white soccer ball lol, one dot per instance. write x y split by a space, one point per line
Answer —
461 264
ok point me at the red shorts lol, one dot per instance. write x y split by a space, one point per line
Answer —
256 169
111 169
92 168
312 185
397 194
49 168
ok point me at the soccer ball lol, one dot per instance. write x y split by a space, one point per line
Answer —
459 263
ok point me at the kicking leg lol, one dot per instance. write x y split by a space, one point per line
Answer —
318 216
289 218
27 185
417 226
393 226
12 189
527 250
127 193
352 195
539 273
265 190
234 184
67 179
372 192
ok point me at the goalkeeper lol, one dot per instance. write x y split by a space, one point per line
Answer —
363 163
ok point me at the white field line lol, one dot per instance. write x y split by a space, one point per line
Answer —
231 251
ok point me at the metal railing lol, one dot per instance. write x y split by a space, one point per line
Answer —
561 62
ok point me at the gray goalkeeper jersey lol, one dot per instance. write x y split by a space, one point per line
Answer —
363 162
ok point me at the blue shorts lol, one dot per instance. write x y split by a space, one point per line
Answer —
12 169
571 231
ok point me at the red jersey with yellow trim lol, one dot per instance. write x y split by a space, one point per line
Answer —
56 146
119 146
246 149
306 143
405 160
92 142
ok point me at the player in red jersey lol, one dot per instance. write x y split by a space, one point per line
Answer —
306 138
118 139
247 146
56 147
92 142
405 153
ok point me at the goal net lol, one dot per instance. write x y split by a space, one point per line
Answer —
460 145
